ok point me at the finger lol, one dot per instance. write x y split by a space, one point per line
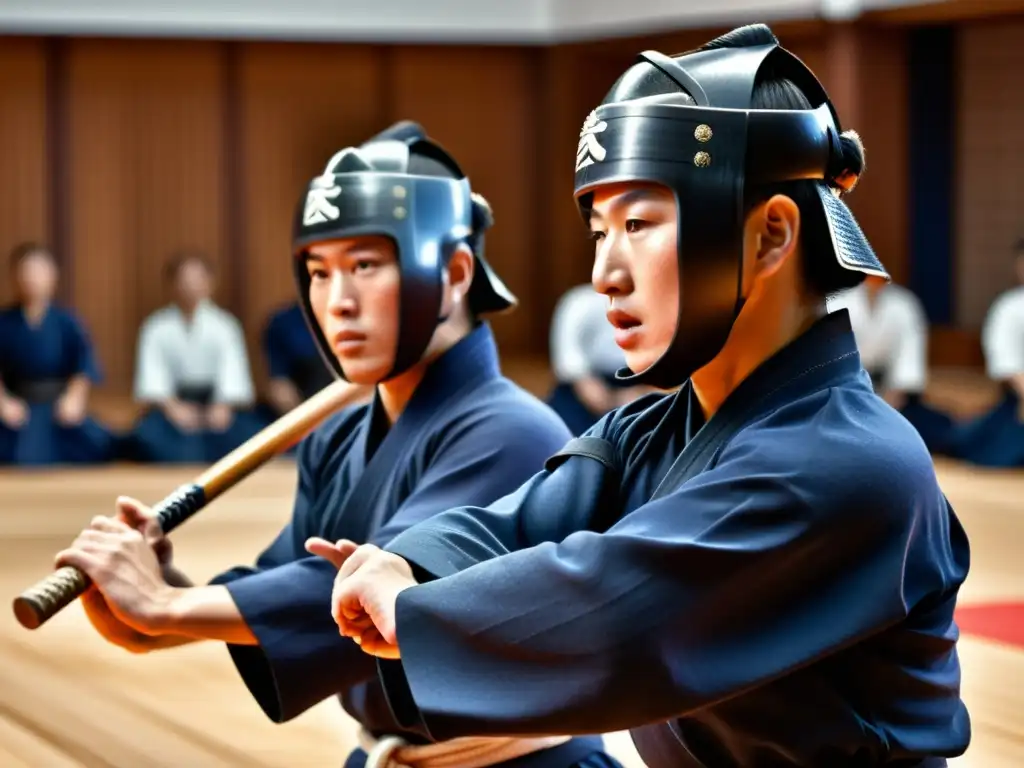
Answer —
93 602
77 558
375 645
108 524
360 626
163 549
359 556
337 596
92 540
356 630
93 597
328 551
350 617
385 624
131 511
353 612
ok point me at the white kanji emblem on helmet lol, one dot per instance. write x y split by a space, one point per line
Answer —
589 150
318 201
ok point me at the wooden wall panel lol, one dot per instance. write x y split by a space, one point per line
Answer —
147 177
208 144
479 103
990 164
864 69
570 90
299 105
881 200
23 148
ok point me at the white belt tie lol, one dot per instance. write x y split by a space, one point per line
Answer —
467 752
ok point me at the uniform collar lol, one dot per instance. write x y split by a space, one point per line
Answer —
470 363
824 354
467 365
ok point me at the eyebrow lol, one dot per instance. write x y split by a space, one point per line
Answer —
354 252
627 198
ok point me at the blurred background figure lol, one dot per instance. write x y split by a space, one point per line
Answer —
996 438
192 373
297 372
48 366
892 337
584 359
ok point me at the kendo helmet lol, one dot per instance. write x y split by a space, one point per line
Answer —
700 137
404 186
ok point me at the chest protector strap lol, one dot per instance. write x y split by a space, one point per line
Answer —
591 447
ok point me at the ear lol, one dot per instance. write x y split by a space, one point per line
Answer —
459 276
775 227
460 272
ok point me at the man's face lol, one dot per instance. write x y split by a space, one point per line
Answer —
634 227
193 283
354 291
36 277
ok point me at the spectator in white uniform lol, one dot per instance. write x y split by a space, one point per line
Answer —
192 374
996 438
891 329
584 359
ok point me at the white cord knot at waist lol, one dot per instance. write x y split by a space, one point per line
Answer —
467 752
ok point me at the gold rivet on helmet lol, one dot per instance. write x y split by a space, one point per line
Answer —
399 212
398 191
702 160
703 133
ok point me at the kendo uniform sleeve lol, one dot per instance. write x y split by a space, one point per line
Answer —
570 494
275 601
301 658
154 380
749 571
234 384
82 352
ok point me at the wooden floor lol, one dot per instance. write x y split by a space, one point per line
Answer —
67 699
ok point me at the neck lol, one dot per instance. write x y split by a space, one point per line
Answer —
756 336
34 309
188 308
395 393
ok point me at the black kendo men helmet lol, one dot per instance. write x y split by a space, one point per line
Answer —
402 185
705 143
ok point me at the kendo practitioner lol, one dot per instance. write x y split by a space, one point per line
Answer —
996 438
891 329
192 374
765 568
392 280
47 368
585 359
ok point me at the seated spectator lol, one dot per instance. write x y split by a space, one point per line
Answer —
47 366
584 358
891 329
996 438
297 371
192 374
